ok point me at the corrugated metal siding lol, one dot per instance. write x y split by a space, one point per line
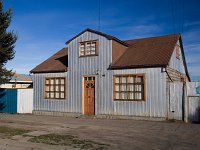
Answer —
194 109
24 100
90 66
8 100
155 104
175 63
194 101
39 103
176 101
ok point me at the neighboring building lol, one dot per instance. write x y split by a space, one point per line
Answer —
101 75
19 81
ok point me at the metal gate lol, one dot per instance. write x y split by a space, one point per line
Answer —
193 101
8 100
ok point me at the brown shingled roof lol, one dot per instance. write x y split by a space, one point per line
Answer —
56 63
147 52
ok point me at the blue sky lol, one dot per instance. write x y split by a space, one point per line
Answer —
43 26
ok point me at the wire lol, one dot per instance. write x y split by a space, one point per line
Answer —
173 16
183 16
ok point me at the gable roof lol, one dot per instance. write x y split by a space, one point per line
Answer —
137 53
147 52
99 33
56 63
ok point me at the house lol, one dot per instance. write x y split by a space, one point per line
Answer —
99 74
19 81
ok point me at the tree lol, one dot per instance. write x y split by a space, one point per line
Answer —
7 43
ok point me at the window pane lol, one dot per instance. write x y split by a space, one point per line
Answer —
123 95
82 46
81 53
131 96
62 95
57 81
123 87
57 94
93 52
52 95
87 52
62 81
62 88
47 88
47 95
138 95
131 79
93 44
117 87
139 79
117 95
117 79
56 88
47 81
51 88
131 87
52 81
137 87
123 79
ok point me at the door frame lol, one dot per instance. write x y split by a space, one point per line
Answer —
83 92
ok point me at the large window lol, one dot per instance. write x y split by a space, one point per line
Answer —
88 48
55 88
129 87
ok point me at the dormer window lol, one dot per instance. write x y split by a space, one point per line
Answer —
88 48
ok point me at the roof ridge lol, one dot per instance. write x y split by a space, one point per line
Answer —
110 37
153 37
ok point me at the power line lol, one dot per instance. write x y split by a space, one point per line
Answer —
173 15
183 16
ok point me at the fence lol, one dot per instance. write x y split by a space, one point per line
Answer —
193 97
16 100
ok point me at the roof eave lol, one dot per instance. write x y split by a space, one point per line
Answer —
137 66
48 71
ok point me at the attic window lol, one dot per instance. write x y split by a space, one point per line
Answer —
88 48
178 52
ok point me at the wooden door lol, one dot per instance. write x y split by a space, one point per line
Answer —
89 95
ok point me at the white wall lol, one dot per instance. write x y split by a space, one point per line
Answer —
24 100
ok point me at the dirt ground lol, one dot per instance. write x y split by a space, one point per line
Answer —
29 132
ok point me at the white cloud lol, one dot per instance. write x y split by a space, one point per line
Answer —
194 23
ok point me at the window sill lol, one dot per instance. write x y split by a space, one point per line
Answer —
60 99
87 56
135 100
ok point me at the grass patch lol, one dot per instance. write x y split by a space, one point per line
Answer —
9 132
68 140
